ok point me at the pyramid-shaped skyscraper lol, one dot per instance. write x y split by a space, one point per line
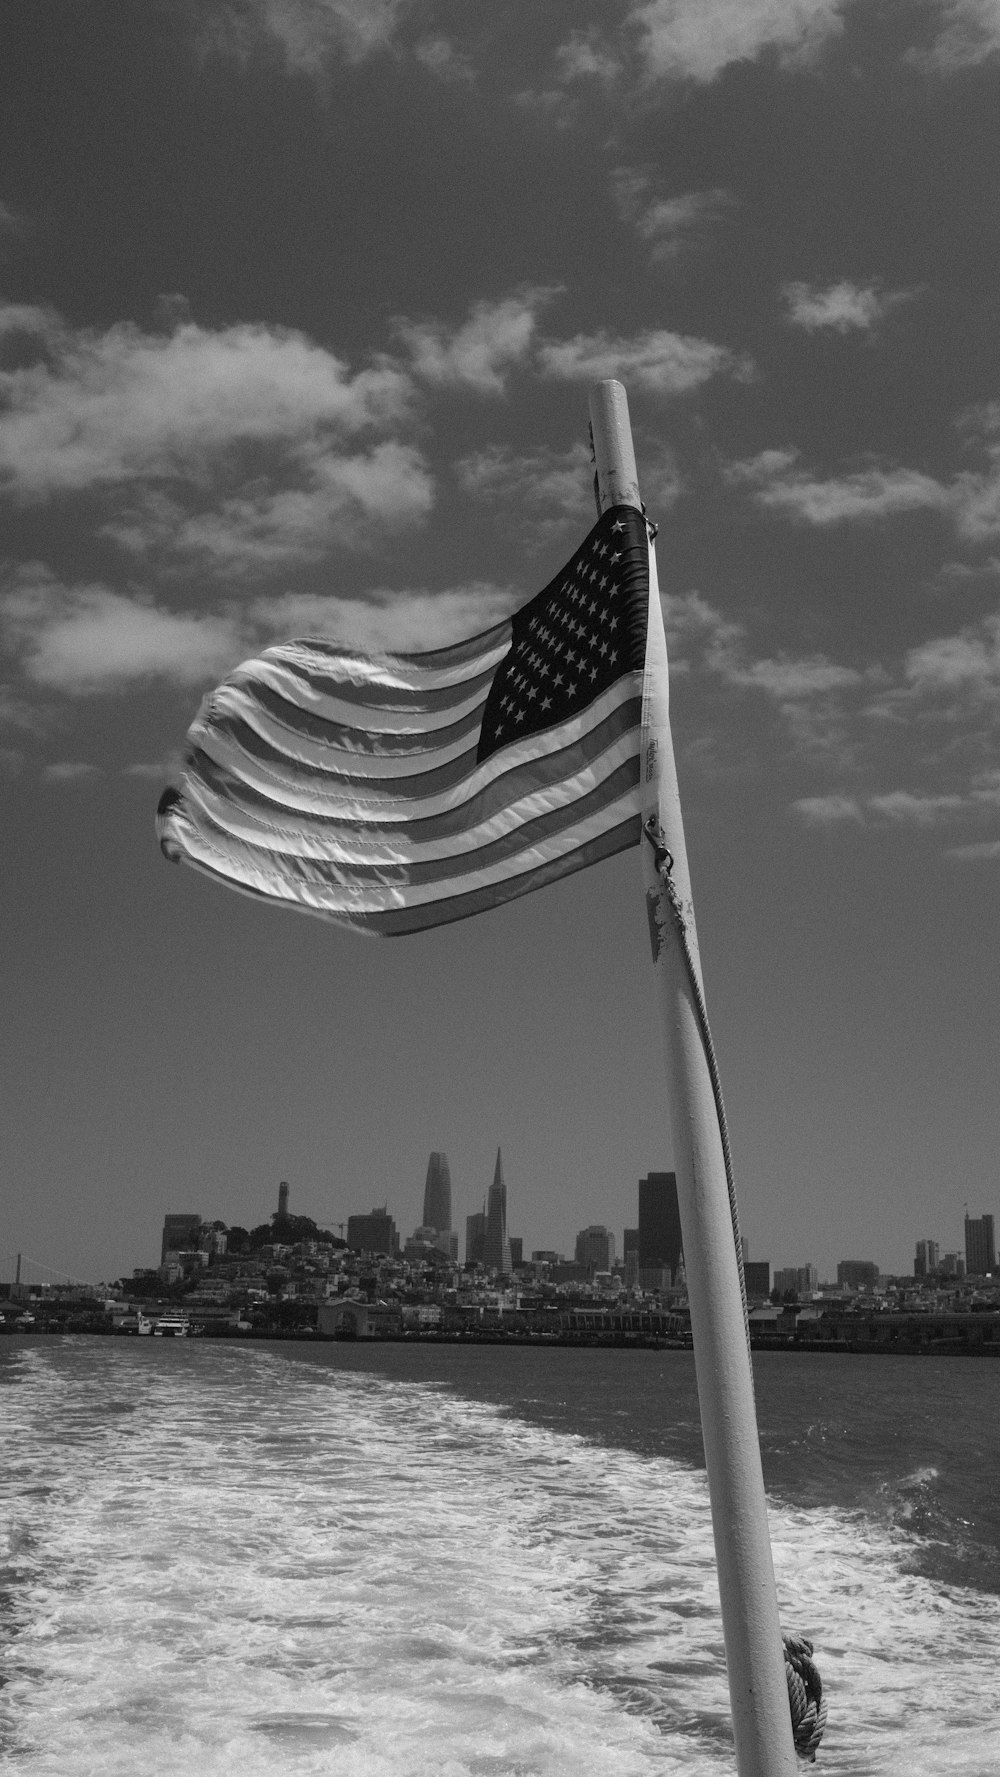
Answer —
496 1254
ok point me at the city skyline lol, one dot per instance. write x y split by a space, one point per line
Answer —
658 1228
299 312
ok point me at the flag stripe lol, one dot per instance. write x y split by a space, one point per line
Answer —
418 669
315 887
387 686
400 733
454 797
405 791
367 859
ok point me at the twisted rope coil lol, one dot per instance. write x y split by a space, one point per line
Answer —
805 1687
805 1696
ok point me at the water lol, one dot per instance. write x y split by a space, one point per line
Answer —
221 1559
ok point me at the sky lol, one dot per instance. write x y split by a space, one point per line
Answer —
300 303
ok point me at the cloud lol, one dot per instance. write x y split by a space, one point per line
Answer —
828 811
906 808
669 225
920 810
87 638
399 621
870 494
657 362
982 851
479 353
443 58
71 771
787 680
696 39
968 34
966 664
310 35
244 446
342 499
559 481
100 408
840 307
586 55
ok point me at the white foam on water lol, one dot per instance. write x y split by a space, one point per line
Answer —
226 1560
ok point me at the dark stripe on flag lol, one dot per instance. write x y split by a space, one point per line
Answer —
397 922
388 794
402 873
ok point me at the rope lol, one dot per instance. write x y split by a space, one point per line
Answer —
805 1696
664 866
805 1687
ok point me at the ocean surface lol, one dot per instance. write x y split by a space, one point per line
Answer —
225 1560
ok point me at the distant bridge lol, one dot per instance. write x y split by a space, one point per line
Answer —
21 1274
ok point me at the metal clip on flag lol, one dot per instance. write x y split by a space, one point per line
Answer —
403 791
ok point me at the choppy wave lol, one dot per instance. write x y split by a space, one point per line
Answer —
219 1559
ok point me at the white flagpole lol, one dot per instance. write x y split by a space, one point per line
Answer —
754 1656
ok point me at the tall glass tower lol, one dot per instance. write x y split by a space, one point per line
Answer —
496 1253
437 1194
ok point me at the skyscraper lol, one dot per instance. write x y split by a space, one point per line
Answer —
980 1247
496 1253
660 1240
374 1233
437 1194
595 1248
475 1237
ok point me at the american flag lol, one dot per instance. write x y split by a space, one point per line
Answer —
400 791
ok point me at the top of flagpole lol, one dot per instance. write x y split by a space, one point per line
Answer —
617 477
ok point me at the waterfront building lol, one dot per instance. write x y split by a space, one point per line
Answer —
437 1194
475 1238
757 1277
980 1246
660 1241
595 1248
373 1233
180 1234
496 1248
856 1274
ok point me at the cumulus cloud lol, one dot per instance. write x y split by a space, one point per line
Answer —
310 35
480 352
968 33
919 810
966 664
840 307
828 811
89 638
70 771
586 55
657 362
908 808
338 500
405 621
987 850
443 58
99 408
776 481
543 479
696 39
669 225
246 445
